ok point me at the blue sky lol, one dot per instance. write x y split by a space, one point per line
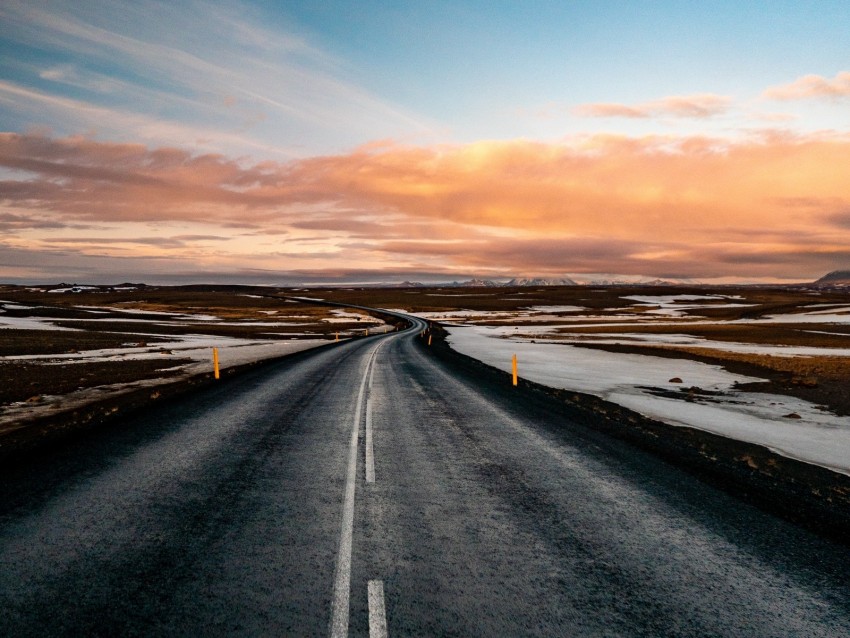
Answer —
312 77
136 136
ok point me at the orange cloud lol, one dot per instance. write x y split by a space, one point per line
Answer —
812 86
775 204
695 106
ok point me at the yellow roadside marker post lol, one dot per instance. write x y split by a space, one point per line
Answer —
337 337
367 332
215 362
429 338
514 369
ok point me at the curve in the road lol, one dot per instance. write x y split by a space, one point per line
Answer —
246 509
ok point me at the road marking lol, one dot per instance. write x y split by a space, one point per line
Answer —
377 613
342 577
370 450
370 454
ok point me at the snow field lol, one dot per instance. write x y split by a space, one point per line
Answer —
818 437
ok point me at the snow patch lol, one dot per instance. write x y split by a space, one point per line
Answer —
635 381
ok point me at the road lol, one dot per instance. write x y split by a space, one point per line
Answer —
367 490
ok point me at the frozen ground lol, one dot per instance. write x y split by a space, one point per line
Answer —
232 352
147 341
634 381
549 333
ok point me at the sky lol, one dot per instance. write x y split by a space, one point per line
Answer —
332 141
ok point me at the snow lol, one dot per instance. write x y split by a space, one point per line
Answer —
74 289
674 299
533 314
197 348
818 437
671 306
555 308
29 323
183 316
344 316
232 352
803 317
690 341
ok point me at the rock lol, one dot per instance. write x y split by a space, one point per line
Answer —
675 380
792 415
34 399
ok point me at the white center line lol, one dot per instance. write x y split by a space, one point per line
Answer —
370 454
342 577
377 613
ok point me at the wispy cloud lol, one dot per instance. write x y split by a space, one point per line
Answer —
686 106
249 88
88 116
812 86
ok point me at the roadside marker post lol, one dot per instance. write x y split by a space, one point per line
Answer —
215 362
429 339
337 337
513 365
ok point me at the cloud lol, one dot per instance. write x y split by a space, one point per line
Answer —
812 86
88 115
160 242
223 77
699 106
590 204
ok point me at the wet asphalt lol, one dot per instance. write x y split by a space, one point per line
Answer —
224 513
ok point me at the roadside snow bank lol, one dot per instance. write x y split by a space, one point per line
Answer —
637 382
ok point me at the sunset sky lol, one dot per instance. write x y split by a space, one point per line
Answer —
333 141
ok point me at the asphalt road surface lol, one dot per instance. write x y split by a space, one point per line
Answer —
366 490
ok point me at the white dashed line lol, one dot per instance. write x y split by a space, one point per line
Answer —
370 454
342 579
377 613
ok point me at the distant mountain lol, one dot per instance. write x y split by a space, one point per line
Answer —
476 283
835 278
540 281
670 282
518 281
